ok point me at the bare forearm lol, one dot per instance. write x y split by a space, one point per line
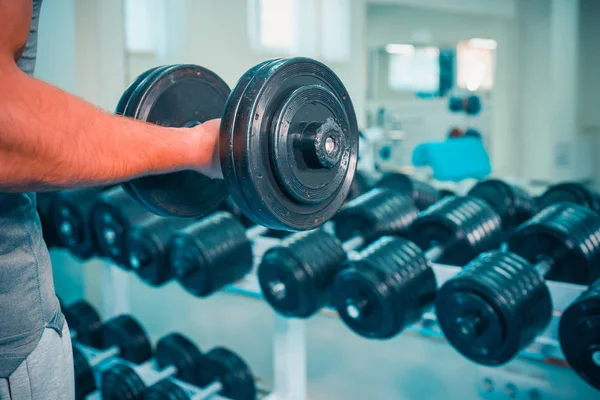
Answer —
51 139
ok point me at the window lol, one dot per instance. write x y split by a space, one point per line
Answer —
415 69
475 64
271 24
143 25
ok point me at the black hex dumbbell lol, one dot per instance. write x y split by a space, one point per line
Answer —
123 337
175 356
113 214
211 253
296 276
512 203
229 375
579 335
571 192
84 323
499 303
421 193
146 248
70 213
390 284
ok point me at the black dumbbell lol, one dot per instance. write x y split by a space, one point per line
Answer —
229 206
123 337
70 213
175 356
44 205
512 203
112 215
229 375
471 104
360 185
296 276
146 248
390 284
211 253
499 303
421 193
288 146
579 335
571 192
85 323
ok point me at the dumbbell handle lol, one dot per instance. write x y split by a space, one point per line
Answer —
201 393
104 355
256 231
434 253
164 373
353 243
543 267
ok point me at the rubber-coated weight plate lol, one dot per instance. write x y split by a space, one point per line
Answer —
177 350
127 334
579 335
122 104
84 375
178 96
289 144
233 373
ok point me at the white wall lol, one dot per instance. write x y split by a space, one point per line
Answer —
589 79
214 34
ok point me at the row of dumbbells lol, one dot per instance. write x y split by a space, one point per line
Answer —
490 311
297 276
115 358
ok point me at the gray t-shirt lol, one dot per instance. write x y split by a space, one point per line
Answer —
28 303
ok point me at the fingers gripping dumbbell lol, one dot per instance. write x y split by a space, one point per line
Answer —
70 214
146 248
288 144
390 284
512 203
113 214
84 323
422 194
175 356
499 303
571 192
228 374
579 335
296 276
123 337
211 253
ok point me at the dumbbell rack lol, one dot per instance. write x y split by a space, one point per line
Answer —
289 336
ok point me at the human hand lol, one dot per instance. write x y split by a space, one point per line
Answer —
204 156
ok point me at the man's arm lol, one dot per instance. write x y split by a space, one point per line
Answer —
50 139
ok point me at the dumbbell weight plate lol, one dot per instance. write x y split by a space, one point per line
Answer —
126 333
275 174
178 96
84 374
85 321
167 390
232 372
569 192
579 334
176 350
122 104
566 233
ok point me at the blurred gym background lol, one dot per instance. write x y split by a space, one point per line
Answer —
531 64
